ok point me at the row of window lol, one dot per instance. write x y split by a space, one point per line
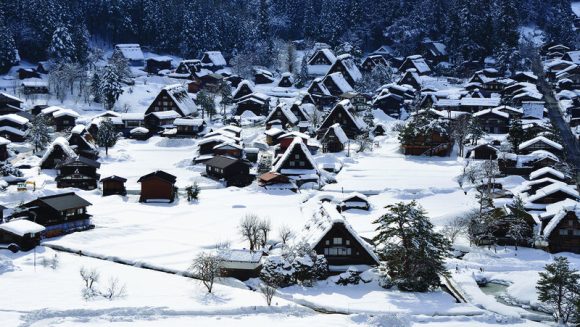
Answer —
337 241
569 232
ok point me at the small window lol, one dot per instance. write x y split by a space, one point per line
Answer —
570 223
564 232
347 242
301 164
327 242
292 163
577 232
337 240
296 156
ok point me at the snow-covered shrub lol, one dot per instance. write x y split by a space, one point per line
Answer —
385 280
277 271
6 169
350 277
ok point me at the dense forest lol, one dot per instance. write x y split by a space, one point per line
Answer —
471 28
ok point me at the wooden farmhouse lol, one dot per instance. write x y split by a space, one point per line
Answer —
373 61
297 163
83 143
390 103
540 143
114 185
329 234
79 172
64 119
334 139
257 103
57 152
320 62
524 164
156 64
157 186
435 52
284 114
13 127
22 232
10 104
561 227
493 121
336 85
286 80
244 88
173 98
189 126
416 62
131 52
187 68
341 114
60 214
263 76
213 60
234 171
411 78
345 65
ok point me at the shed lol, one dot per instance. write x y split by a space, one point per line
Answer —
114 185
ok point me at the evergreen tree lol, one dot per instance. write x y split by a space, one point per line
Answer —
8 52
413 252
207 103
39 132
516 134
62 48
111 87
96 87
559 287
507 24
107 135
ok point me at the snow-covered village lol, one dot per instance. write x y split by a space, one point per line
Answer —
297 162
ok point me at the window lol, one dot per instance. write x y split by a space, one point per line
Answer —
296 156
292 163
337 241
577 232
327 242
301 163
347 242
563 232
337 251
570 223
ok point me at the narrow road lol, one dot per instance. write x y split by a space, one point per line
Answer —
569 141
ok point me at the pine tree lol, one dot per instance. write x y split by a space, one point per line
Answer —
107 135
111 87
96 87
39 132
559 287
62 48
516 134
8 50
413 252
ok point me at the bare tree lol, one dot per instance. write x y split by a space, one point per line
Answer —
207 267
264 227
90 278
364 142
268 291
460 128
250 229
114 290
454 228
285 233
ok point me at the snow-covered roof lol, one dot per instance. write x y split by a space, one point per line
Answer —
12 130
232 128
4 141
160 58
285 109
553 188
326 53
481 102
188 122
536 173
182 99
419 63
139 130
50 110
339 132
542 139
345 105
15 119
78 129
65 112
133 116
63 144
355 195
574 56
559 210
491 111
170 114
216 58
340 82
351 68
298 144
322 222
22 227
241 255
11 97
131 51
242 84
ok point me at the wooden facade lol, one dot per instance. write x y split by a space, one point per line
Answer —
157 186
565 237
341 248
78 172
114 185
234 171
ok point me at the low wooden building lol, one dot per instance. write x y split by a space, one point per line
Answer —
482 152
548 172
551 194
243 89
346 65
262 76
173 98
213 60
158 186
241 263
416 62
4 149
157 64
373 61
22 232
391 104
540 143
234 171
284 114
64 119
189 126
60 214
83 143
13 127
297 163
286 80
132 52
78 172
493 121
114 185
257 103
355 201
57 152
10 104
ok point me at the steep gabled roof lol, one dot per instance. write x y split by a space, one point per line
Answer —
344 106
546 170
285 110
182 99
338 131
322 222
298 145
130 51
540 139
63 144
215 57
551 189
